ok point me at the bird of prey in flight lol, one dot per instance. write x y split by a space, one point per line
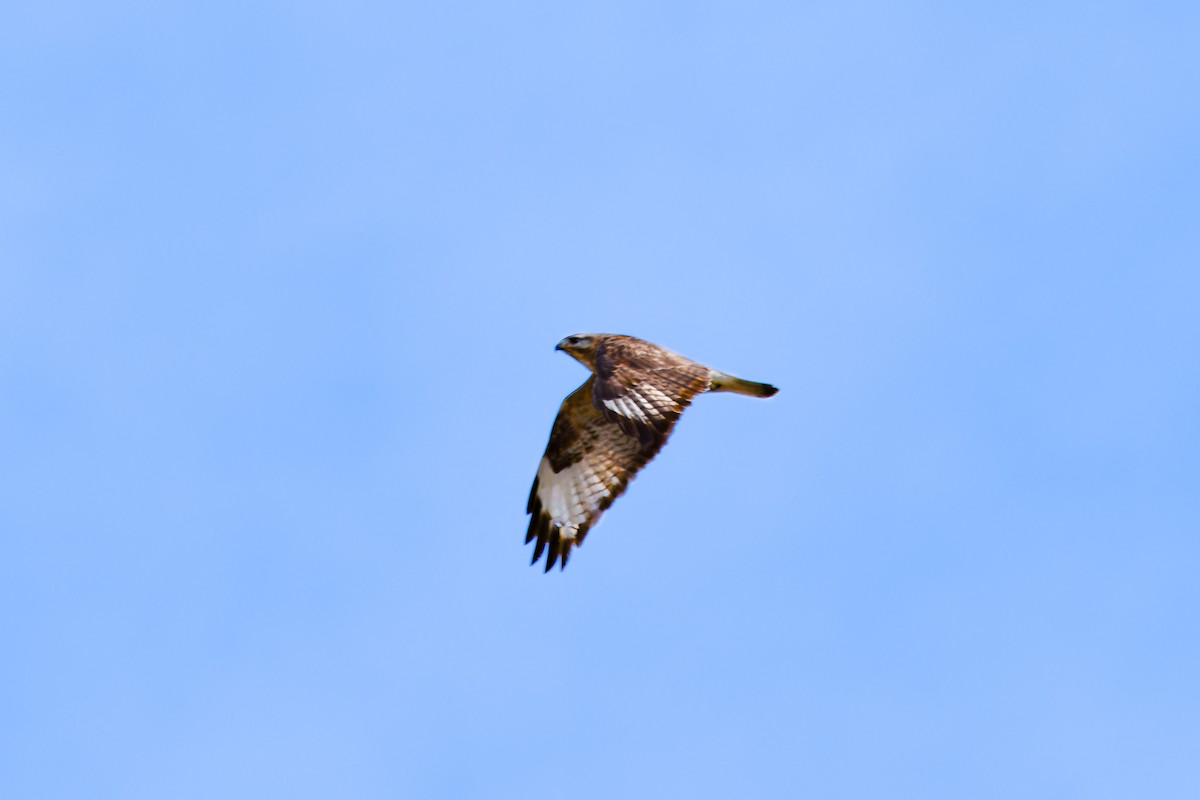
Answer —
608 429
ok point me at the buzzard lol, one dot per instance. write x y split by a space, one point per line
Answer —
608 429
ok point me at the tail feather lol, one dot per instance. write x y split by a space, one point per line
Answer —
727 383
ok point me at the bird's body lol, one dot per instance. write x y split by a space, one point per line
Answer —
608 429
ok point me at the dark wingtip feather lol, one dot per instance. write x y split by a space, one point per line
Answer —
540 547
550 540
555 548
534 521
533 498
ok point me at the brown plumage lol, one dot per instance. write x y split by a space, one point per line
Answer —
608 429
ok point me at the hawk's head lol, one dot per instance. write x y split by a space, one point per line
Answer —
581 347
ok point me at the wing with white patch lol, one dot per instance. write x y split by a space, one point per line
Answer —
587 465
644 388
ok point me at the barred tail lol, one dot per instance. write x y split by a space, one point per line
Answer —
727 383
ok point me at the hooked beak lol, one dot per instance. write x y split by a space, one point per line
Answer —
559 346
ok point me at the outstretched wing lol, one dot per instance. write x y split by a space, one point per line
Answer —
644 388
587 465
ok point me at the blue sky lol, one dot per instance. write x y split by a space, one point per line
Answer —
279 288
